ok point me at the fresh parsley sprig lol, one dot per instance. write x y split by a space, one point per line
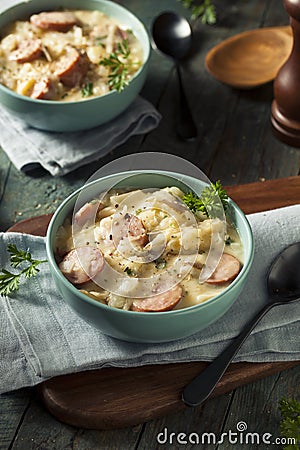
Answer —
129 272
119 63
87 90
9 281
205 11
290 421
212 197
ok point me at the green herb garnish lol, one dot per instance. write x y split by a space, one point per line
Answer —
205 10
212 197
119 63
87 90
99 40
129 271
9 281
290 422
160 263
228 241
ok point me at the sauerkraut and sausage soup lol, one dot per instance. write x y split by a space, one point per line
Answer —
68 55
144 250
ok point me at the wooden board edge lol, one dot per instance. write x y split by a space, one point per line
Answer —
108 418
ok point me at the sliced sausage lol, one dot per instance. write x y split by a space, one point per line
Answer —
87 212
135 229
71 67
43 89
28 50
159 303
54 20
82 264
129 226
121 33
227 269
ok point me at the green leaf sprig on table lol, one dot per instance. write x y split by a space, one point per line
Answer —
213 196
290 422
119 63
204 10
9 281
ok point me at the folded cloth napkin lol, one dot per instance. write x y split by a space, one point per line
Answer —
60 153
42 337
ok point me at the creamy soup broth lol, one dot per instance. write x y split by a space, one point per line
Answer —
143 228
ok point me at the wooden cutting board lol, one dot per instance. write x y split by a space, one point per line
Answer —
115 397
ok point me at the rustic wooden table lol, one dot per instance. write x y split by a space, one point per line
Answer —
236 145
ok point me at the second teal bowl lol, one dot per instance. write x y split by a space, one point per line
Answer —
84 114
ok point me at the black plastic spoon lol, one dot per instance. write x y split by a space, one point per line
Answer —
283 286
172 35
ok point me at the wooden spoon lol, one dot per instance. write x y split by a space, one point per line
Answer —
251 58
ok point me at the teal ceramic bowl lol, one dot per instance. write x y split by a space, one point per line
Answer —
73 116
138 326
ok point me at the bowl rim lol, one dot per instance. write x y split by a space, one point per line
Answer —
146 50
83 297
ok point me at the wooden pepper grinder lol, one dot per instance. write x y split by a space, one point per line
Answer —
285 116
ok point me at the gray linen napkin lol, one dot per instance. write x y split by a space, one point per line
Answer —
42 337
60 153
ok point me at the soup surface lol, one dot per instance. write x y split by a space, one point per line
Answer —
68 55
145 250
